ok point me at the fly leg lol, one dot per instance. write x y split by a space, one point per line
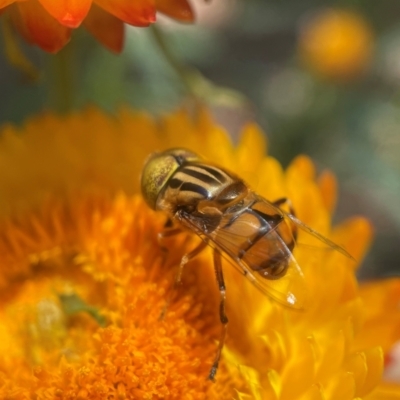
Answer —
185 259
222 316
169 231
284 200
178 278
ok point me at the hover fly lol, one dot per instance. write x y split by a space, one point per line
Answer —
257 236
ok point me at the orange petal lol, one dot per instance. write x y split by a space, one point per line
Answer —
385 391
303 167
356 365
177 9
5 3
106 28
355 235
38 27
134 12
251 150
69 13
328 185
374 361
381 298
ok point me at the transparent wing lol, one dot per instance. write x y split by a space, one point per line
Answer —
300 224
288 290
316 234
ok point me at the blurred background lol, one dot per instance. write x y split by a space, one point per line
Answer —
320 77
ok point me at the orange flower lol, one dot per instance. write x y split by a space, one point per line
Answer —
382 326
336 44
83 278
49 23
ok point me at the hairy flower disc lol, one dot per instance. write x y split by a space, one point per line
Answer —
84 278
49 23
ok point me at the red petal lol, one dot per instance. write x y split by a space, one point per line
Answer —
38 27
67 12
134 12
177 9
106 28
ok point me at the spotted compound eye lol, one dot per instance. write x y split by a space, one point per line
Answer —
157 170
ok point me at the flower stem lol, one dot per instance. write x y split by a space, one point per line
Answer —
183 72
14 53
199 87
61 80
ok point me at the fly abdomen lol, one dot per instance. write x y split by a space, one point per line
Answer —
260 238
267 257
